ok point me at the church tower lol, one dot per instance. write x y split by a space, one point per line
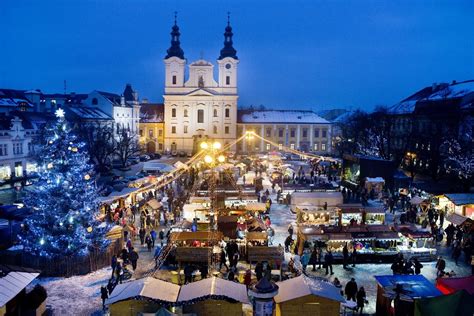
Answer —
174 60
228 60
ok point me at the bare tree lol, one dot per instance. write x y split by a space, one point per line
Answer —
126 146
100 142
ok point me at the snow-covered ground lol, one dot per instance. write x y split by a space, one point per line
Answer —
80 295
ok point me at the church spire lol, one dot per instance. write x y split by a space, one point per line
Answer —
175 49
228 50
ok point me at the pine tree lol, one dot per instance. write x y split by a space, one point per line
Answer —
64 222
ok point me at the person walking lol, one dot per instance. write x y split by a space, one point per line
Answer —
440 266
417 265
361 299
118 272
153 237
113 264
328 260
351 290
456 253
141 234
134 258
223 260
148 242
305 260
314 258
104 294
354 256
345 256
259 271
161 235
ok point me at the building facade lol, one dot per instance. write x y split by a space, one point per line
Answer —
152 128
198 107
298 130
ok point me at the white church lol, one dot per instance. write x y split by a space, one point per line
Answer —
197 107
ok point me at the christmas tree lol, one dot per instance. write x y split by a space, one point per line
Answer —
64 222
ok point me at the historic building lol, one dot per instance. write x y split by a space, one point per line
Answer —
299 130
152 127
197 107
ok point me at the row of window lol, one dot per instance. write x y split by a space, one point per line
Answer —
292 146
200 114
151 133
304 132
17 149
214 129
174 80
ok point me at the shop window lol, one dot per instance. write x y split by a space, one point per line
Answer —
280 146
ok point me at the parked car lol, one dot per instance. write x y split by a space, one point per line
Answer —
144 158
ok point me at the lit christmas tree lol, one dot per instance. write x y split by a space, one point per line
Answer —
64 221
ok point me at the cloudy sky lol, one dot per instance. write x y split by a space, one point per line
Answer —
306 54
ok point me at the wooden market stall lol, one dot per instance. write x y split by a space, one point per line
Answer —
213 297
308 214
350 214
307 296
192 247
374 215
145 295
323 199
416 243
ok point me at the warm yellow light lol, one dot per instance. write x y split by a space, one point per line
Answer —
216 145
221 158
204 145
208 159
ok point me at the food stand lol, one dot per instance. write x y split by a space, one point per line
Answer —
196 247
374 216
415 243
350 213
308 214
336 242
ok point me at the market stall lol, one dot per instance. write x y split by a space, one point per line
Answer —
415 243
459 203
376 184
337 241
308 214
321 199
374 216
350 214
192 247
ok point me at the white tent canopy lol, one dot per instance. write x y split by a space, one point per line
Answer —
13 283
214 287
147 287
302 286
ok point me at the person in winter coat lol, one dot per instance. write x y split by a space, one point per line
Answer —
328 260
361 299
290 230
141 234
223 260
417 265
457 253
148 242
248 278
153 237
104 294
259 271
113 263
118 272
345 256
162 236
305 260
440 265
134 258
124 255
351 290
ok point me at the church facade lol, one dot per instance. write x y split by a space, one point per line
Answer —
198 107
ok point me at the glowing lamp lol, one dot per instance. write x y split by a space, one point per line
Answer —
221 158
89 229
208 159
216 145
50 165
42 241
87 177
204 145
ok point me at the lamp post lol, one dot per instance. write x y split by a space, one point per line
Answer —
212 158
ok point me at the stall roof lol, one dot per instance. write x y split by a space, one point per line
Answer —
154 204
375 180
147 287
214 288
417 285
379 228
202 235
13 283
302 286
386 236
450 285
199 199
460 198
456 219
459 303
340 236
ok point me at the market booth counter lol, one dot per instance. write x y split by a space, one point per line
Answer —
416 243
309 214
196 247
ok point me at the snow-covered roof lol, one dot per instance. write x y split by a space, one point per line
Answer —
214 287
148 287
455 90
89 113
302 286
281 116
461 198
13 283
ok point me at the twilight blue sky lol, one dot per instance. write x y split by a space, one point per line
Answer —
304 54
